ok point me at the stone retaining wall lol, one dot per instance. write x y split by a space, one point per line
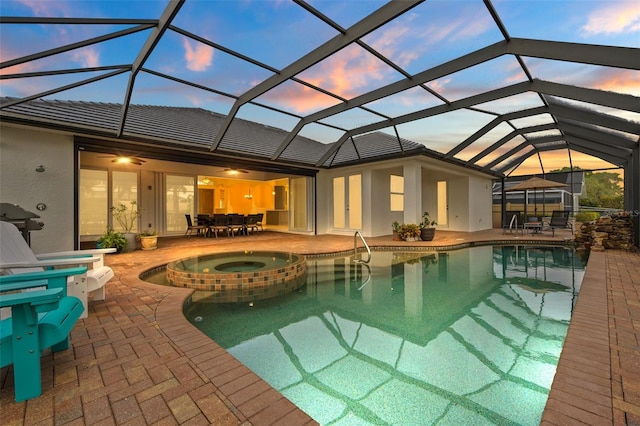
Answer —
608 232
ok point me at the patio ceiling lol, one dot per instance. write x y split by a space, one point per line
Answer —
503 87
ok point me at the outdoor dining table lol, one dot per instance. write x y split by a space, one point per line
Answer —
211 224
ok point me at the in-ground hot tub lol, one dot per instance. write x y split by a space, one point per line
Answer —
240 276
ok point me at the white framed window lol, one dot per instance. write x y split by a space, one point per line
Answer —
396 185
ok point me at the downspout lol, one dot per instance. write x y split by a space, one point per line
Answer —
76 197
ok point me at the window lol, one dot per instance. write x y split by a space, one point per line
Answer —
94 210
299 202
124 191
355 202
179 201
339 207
397 193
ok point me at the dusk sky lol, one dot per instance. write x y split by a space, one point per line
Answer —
276 33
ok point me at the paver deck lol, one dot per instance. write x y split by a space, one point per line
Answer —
136 360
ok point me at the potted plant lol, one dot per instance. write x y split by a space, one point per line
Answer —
127 218
409 231
148 240
395 227
427 231
111 239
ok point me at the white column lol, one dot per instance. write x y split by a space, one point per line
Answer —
413 290
412 192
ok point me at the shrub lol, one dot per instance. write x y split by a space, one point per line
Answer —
587 216
111 239
409 230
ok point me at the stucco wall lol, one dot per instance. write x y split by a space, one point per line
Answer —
480 204
21 151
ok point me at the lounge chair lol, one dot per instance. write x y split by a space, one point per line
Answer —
16 257
560 220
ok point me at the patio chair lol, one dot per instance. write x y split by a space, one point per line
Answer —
219 223
560 220
259 221
252 223
16 257
236 223
200 229
39 320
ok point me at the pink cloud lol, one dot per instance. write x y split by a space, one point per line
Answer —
621 81
348 73
440 85
300 99
57 35
87 57
198 56
614 18
48 8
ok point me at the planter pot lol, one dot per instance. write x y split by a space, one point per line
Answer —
396 236
427 234
149 243
131 241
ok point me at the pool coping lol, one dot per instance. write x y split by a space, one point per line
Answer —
581 390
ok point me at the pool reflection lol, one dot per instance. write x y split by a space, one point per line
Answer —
465 337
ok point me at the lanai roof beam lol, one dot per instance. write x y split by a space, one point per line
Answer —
378 18
172 9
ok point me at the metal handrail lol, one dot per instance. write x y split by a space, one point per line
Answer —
355 248
365 282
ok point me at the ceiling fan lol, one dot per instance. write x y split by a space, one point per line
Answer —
123 159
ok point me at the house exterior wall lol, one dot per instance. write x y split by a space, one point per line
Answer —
469 196
480 204
21 151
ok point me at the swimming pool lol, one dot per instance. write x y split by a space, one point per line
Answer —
470 336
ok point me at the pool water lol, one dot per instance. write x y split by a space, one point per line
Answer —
470 336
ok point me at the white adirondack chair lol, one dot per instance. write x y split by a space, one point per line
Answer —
17 257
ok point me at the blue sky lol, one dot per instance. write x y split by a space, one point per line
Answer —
276 33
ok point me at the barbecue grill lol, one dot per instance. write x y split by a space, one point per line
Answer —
21 218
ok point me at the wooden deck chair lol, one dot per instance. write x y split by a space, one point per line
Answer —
16 257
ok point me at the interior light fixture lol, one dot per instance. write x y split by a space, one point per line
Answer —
248 196
232 171
127 160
